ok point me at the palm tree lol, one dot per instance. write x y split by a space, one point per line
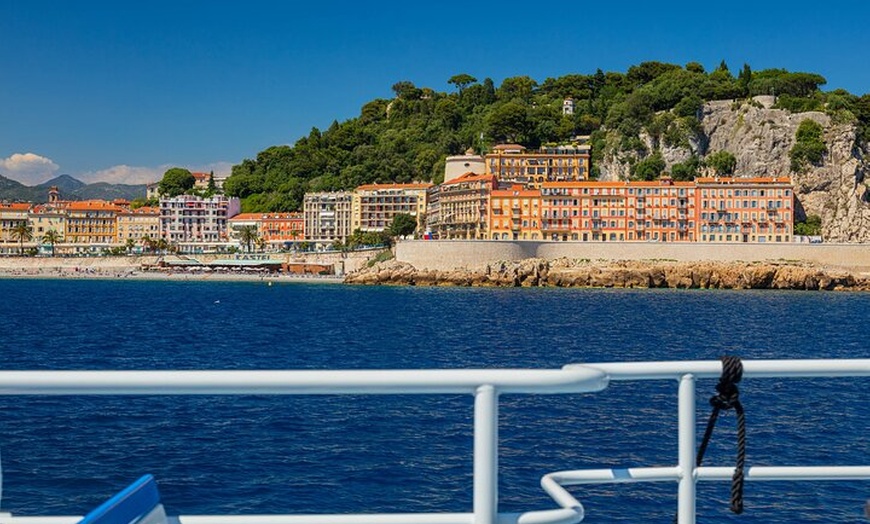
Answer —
248 235
148 244
161 245
23 233
51 238
129 245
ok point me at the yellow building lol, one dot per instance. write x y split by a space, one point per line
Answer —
373 206
463 207
515 214
514 163
11 216
45 218
136 224
90 225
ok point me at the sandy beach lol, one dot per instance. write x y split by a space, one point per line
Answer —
138 268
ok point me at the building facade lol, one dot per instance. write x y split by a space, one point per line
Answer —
135 225
282 230
515 214
745 209
374 206
195 224
90 225
563 163
464 207
12 215
327 217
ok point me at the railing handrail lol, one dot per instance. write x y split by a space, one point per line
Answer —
485 385
783 368
299 382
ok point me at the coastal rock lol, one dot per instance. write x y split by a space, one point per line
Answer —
618 274
760 139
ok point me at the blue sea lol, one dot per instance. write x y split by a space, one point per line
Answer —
368 454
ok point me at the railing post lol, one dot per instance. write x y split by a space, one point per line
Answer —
686 425
485 455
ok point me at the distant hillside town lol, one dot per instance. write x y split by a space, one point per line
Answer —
512 193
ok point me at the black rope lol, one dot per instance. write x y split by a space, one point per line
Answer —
728 397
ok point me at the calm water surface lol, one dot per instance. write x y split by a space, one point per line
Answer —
329 454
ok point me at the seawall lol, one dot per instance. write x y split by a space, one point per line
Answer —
444 255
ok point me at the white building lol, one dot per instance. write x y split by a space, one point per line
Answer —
196 224
327 217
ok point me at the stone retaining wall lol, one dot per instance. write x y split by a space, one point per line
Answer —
477 254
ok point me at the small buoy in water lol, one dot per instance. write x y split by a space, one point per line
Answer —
217 301
270 284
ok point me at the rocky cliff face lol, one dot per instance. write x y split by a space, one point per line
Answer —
535 272
760 138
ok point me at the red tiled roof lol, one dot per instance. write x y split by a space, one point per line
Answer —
248 216
282 216
743 180
16 206
469 177
84 205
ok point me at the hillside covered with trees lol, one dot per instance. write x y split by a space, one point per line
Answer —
406 138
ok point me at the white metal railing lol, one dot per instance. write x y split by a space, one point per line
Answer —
485 385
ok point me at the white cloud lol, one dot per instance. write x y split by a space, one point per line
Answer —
28 168
124 174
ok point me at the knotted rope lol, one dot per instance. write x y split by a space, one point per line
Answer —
728 397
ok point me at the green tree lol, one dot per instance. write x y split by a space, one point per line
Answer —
129 244
723 162
149 244
695 67
649 168
403 225
811 226
517 88
176 181
52 237
248 236
461 81
509 121
406 90
212 187
809 147
687 170
744 79
23 233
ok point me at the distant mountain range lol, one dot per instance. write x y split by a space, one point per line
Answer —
70 189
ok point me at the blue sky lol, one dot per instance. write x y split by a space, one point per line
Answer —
109 91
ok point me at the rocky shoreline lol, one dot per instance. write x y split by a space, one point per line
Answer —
619 274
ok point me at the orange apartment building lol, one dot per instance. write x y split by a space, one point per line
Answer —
745 209
515 214
279 229
706 210
514 163
275 230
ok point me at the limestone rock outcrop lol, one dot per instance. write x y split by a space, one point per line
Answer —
760 138
618 274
